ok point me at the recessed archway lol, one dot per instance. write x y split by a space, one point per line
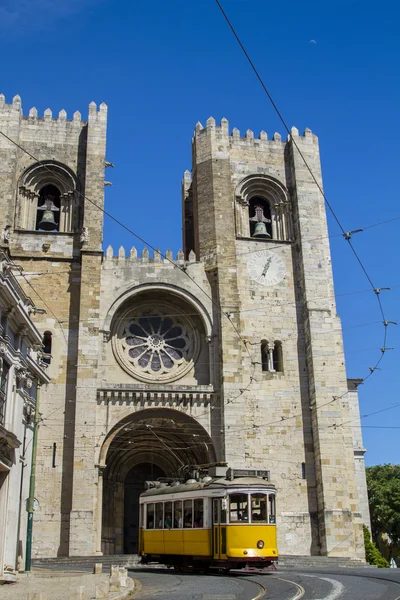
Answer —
152 444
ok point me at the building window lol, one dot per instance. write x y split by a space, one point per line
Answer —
3 390
277 358
264 356
47 344
48 210
271 357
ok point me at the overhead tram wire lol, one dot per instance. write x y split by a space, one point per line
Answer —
346 235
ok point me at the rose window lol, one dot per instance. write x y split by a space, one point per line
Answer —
156 344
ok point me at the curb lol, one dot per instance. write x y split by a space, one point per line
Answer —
127 591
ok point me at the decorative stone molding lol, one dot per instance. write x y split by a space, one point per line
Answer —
6 235
23 377
151 398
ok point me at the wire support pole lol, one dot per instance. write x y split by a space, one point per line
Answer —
32 481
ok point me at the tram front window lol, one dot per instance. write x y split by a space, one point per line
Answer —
238 508
259 512
272 508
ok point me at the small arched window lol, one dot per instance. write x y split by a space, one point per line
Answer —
277 357
264 356
48 210
260 218
47 344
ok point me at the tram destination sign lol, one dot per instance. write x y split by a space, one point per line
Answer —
233 473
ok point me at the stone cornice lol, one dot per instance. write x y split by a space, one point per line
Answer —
154 395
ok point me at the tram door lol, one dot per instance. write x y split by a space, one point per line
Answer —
219 528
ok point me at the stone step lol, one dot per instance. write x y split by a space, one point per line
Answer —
292 561
122 560
133 560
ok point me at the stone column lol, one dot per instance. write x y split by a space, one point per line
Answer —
99 510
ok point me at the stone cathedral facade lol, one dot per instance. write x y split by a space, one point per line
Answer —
230 352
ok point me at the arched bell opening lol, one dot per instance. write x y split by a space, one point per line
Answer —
153 444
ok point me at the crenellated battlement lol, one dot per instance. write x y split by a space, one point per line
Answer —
145 257
15 110
221 131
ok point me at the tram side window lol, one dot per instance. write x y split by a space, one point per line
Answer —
272 508
259 508
159 518
178 514
238 508
150 516
198 520
188 514
215 508
168 515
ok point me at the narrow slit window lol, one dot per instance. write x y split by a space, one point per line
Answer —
47 345
278 357
264 356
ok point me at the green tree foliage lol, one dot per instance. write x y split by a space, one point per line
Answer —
383 483
372 554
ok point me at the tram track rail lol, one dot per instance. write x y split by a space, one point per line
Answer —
343 574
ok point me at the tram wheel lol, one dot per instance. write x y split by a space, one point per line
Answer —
178 568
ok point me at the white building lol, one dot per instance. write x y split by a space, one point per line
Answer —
21 370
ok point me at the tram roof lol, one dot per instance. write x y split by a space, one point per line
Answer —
242 483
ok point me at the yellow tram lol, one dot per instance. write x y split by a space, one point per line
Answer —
223 522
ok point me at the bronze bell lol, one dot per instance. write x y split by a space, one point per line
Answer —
260 230
48 222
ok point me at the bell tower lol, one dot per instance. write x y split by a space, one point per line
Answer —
52 225
257 220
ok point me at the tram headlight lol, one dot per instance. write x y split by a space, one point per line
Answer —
260 544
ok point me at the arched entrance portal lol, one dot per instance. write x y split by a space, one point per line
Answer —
147 445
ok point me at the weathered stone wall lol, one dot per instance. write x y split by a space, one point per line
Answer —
53 271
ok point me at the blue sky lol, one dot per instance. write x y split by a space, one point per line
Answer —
163 66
